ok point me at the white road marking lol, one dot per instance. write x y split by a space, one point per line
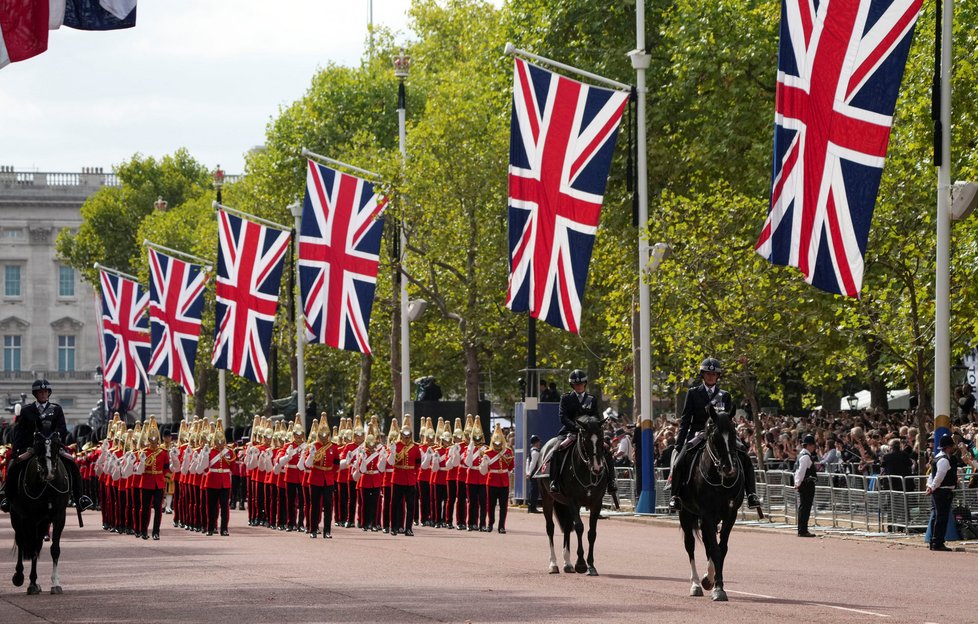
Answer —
814 604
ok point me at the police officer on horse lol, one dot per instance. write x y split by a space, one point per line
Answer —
696 413
48 419
574 405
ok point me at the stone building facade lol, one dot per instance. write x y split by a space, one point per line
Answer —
48 324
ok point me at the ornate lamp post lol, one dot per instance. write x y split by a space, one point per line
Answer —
160 204
853 402
218 176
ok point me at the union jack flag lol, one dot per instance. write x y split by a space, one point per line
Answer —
339 253
125 331
120 399
839 70
562 137
249 273
176 302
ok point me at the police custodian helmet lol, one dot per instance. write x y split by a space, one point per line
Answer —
711 365
808 439
577 376
40 384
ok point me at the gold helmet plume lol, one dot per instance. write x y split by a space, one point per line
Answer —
468 426
498 438
358 429
476 435
394 433
152 431
458 434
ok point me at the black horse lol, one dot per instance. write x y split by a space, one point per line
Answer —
583 482
710 502
42 489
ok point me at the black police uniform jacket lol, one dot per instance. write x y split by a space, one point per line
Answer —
695 413
47 419
572 407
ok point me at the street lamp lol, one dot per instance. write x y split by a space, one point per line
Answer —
402 63
853 402
218 176
99 377
160 204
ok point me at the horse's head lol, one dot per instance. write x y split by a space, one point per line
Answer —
721 439
590 441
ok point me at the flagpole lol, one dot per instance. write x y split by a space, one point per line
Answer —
512 50
640 62
339 163
177 252
942 298
300 334
250 217
401 65
101 267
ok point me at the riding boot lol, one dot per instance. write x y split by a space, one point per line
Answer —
555 461
750 481
610 468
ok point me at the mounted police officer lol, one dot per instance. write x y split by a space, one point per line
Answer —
574 405
694 418
48 419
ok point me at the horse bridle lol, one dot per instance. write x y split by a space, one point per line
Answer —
715 460
594 477
50 457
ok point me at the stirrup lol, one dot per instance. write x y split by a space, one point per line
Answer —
753 501
675 503
554 488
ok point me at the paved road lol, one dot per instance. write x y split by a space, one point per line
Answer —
257 575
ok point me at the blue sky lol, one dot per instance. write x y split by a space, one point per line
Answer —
207 75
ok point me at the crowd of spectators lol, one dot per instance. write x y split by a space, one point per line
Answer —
862 442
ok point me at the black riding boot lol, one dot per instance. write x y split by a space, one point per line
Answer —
676 478
82 502
609 464
555 461
750 481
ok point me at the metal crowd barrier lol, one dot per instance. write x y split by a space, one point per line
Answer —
843 502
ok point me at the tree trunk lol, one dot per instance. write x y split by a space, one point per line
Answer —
362 403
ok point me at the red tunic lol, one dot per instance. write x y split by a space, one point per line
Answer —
343 476
371 476
499 469
325 463
293 471
406 461
218 474
156 466
441 477
472 476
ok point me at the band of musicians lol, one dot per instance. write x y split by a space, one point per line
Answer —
347 476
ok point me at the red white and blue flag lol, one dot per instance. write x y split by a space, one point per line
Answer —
176 302
120 399
339 254
250 257
563 135
125 331
840 65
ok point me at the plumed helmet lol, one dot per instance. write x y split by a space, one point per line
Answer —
809 439
577 376
40 384
711 365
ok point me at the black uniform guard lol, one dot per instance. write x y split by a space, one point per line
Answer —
694 419
573 405
941 485
805 477
48 419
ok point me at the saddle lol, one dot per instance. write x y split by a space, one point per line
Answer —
546 453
